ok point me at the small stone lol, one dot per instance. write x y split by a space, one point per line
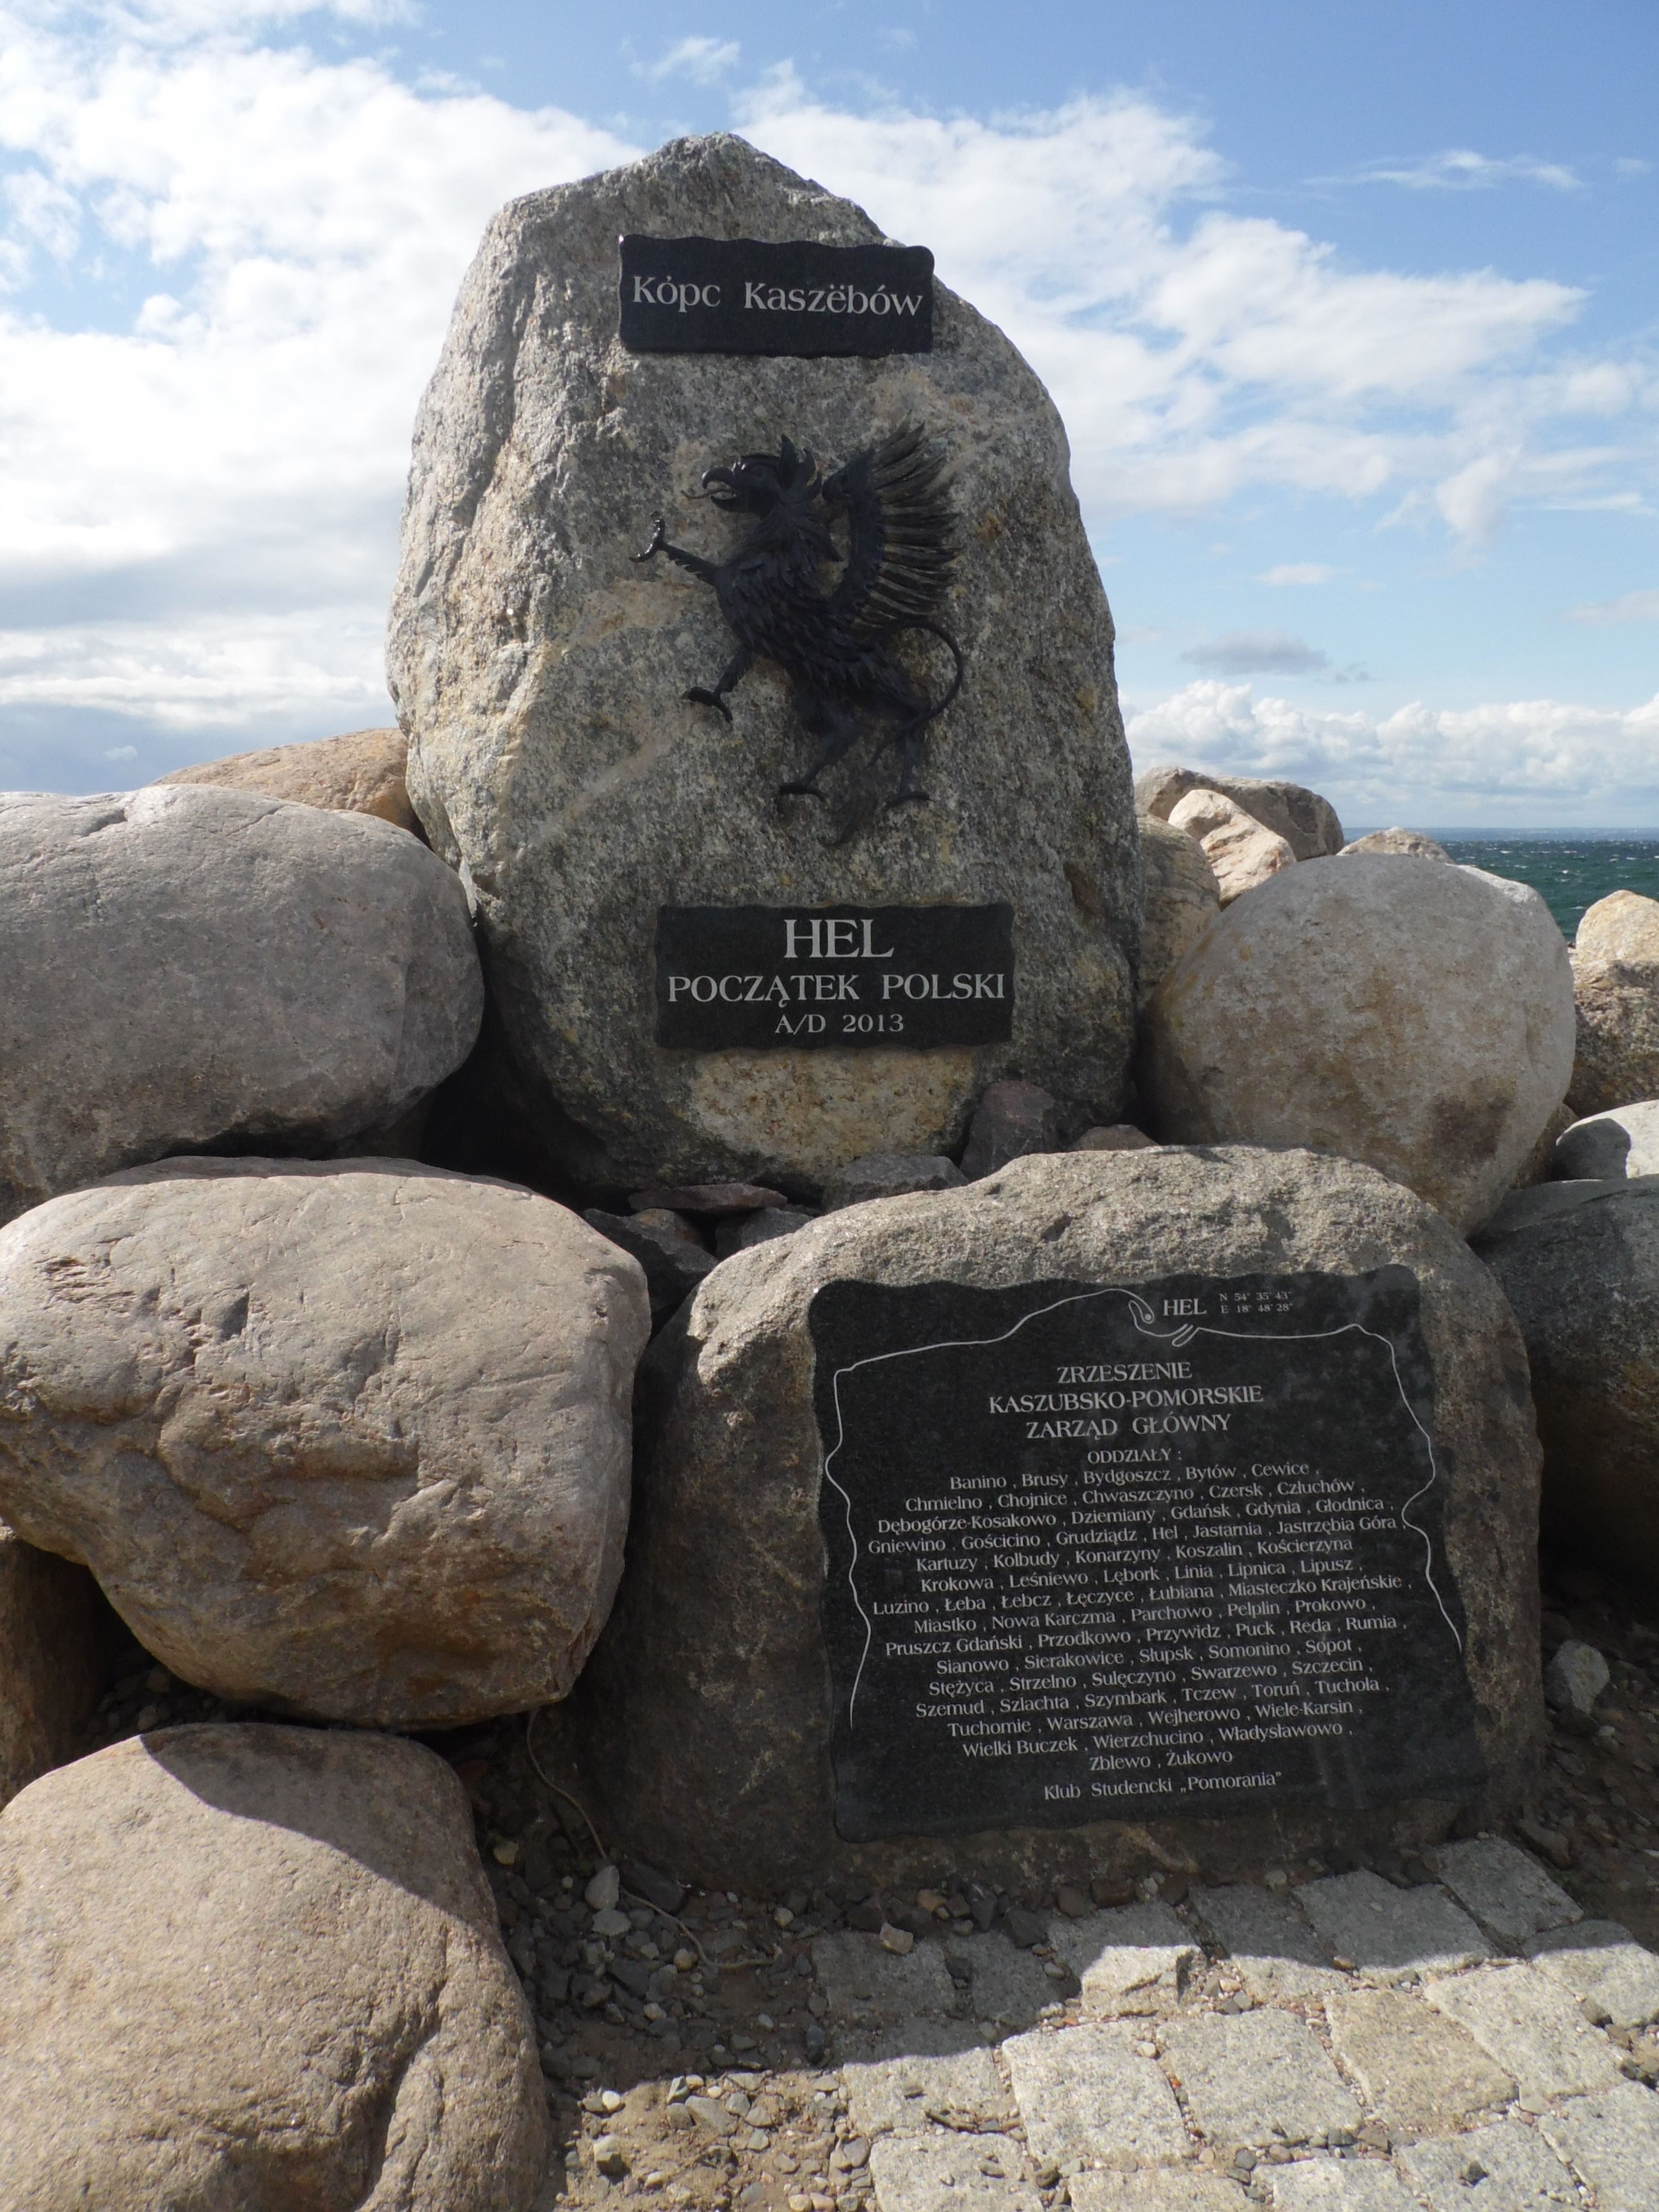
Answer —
890 1174
1575 1678
1113 1137
1011 1120
612 1921
783 1916
765 2020
505 1853
1550 1843
710 2114
706 1198
609 2157
1075 1904
1410 843
602 1889
899 1940
611 2101
738 1233
1026 1927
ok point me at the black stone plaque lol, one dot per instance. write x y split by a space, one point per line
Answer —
800 978
1113 1551
737 295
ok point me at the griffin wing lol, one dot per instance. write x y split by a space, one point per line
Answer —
903 532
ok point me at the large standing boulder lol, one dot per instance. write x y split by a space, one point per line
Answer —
553 759
361 773
349 1438
1397 1011
708 1705
57 1639
1583 1276
1615 966
249 1969
1183 898
1307 823
192 968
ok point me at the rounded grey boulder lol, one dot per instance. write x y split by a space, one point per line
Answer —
1583 1277
706 1707
540 674
249 1969
1611 1147
350 1439
1396 1010
192 965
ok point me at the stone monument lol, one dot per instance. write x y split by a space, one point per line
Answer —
1180 1495
758 678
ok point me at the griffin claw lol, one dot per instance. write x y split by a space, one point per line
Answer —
699 697
658 533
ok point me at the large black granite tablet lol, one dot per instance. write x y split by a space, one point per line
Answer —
803 978
1101 1551
738 295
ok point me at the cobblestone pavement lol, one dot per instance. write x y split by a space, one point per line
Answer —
1473 2032
1467 2043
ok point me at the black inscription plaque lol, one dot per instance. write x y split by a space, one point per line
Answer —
737 295
1119 1551
806 977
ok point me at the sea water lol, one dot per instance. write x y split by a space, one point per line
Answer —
1571 872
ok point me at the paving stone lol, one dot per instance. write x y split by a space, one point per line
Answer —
1326 2184
1170 2190
899 2087
1349 2184
1503 2168
1257 2078
1389 1932
1010 1987
1274 1949
1418 2070
1603 1965
1611 2141
951 2173
1086 2093
859 1979
1142 1952
1533 2027
1510 1895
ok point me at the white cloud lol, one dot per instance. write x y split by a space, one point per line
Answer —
298 230
200 520
1196 353
1460 170
1258 653
705 61
1630 606
1591 763
1299 572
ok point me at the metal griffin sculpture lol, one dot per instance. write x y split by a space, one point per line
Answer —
835 642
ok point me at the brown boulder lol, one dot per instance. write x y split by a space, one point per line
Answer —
362 773
252 1969
1615 971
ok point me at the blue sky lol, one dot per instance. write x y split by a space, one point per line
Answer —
1350 309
